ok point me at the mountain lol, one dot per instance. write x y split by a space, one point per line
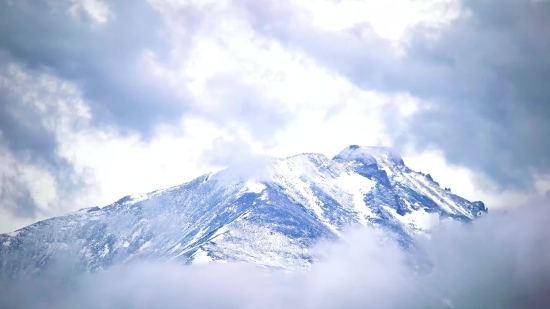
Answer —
269 215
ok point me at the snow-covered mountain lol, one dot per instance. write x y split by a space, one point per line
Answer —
269 217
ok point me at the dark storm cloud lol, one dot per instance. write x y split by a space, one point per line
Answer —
16 198
492 96
104 59
105 62
22 128
486 78
30 116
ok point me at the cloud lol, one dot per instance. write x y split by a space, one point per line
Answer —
239 159
56 160
80 73
479 74
490 105
283 77
107 59
35 112
66 66
499 261
237 102
230 152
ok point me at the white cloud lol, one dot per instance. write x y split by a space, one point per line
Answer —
104 163
125 165
97 10
228 60
390 19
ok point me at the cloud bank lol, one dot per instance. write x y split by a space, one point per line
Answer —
499 261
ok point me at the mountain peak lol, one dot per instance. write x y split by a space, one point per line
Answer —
269 217
370 155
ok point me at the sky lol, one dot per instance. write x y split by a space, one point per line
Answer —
101 99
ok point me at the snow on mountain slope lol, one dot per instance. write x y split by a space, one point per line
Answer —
270 219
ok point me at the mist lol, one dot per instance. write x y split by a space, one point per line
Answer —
501 260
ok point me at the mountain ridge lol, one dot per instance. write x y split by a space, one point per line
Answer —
269 219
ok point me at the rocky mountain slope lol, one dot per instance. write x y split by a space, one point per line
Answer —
269 218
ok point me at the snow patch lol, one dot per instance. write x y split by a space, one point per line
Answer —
220 231
420 219
201 257
437 195
356 153
13 234
134 198
176 247
254 187
105 251
357 186
145 246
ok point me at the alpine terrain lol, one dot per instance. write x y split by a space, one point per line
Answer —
269 217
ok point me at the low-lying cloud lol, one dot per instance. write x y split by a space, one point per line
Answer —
499 261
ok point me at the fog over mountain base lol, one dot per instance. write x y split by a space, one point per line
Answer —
500 261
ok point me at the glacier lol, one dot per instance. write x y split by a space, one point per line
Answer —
270 217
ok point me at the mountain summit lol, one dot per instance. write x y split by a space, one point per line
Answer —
270 220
